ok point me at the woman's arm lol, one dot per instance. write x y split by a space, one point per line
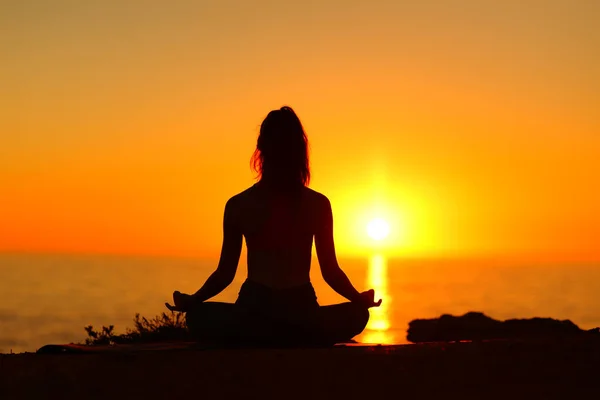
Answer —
230 256
330 269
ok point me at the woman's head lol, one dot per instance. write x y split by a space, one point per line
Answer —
281 155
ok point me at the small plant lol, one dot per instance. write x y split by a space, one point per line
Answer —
161 328
103 336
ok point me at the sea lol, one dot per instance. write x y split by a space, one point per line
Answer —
50 298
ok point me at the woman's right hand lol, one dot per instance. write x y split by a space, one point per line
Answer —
367 298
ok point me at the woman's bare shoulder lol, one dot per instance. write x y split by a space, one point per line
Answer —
239 199
252 195
316 198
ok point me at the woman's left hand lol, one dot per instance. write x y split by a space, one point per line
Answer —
182 302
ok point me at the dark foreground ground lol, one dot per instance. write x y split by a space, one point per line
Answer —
489 370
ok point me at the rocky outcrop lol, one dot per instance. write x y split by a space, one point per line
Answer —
478 326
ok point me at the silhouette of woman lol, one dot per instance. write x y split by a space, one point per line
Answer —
278 216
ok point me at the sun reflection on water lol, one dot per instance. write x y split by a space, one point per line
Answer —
379 322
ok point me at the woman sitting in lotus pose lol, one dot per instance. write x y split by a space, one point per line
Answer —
279 216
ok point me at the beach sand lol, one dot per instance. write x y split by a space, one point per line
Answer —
557 369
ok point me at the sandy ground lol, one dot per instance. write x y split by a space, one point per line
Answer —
490 370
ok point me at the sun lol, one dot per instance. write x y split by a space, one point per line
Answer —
378 229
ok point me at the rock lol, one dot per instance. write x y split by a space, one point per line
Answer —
478 326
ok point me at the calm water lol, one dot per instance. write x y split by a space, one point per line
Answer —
50 298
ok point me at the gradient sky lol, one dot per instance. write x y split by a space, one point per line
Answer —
471 126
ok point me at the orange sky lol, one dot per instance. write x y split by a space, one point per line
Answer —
470 126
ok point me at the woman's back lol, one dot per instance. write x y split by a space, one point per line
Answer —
279 228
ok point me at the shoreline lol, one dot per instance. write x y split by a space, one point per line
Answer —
494 369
